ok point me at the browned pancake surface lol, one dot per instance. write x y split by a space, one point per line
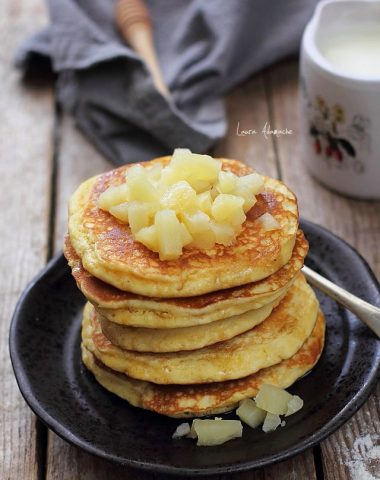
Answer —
108 251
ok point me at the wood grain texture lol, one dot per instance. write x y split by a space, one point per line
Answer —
247 109
345 454
25 154
300 467
76 161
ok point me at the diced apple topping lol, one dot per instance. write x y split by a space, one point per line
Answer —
180 197
201 171
139 215
228 209
154 172
224 233
120 211
199 226
204 202
148 237
113 196
190 203
227 182
253 182
139 185
169 235
268 222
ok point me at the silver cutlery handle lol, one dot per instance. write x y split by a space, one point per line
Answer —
366 312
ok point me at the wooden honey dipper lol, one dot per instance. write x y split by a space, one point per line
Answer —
134 23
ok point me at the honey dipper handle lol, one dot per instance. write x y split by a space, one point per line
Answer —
366 312
133 21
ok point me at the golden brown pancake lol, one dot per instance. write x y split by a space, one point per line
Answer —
212 398
108 251
275 339
187 338
138 311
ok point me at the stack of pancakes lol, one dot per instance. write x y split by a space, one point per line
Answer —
194 336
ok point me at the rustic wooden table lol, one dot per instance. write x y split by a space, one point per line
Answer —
44 158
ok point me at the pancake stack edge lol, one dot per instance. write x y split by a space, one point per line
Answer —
185 356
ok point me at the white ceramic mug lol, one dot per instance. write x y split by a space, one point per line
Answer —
340 111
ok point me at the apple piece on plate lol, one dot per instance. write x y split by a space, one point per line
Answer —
294 405
273 399
250 413
271 422
216 432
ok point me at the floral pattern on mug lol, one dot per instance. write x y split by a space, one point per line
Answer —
336 142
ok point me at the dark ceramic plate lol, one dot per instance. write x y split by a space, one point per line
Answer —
44 346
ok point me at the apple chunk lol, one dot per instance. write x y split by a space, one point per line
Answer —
228 209
169 235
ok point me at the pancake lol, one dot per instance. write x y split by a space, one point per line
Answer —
207 399
108 251
139 311
188 338
275 339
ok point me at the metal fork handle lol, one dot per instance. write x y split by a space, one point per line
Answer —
367 313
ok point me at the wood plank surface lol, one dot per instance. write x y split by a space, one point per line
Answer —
350 453
76 161
26 134
26 138
247 109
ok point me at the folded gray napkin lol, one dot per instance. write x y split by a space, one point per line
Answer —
204 49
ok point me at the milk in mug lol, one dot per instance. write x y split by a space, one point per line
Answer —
340 96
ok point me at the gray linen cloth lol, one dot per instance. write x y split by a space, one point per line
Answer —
205 47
